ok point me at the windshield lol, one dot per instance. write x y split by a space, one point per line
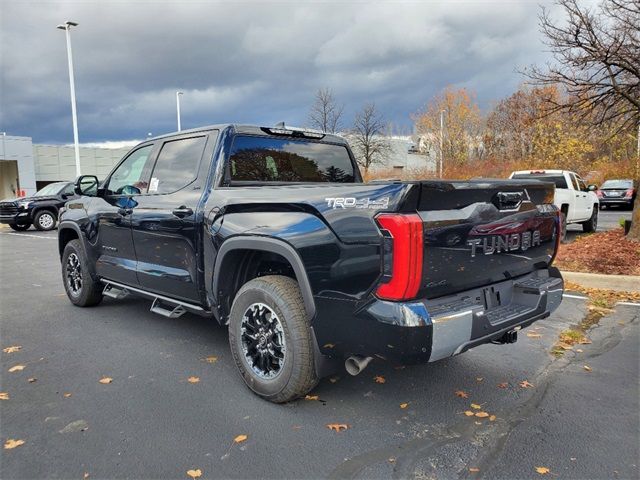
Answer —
556 178
268 159
617 184
51 189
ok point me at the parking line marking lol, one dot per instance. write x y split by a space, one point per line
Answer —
631 304
568 295
28 235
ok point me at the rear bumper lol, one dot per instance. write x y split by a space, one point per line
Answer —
616 201
429 330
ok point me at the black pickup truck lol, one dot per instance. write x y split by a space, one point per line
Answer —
272 232
39 210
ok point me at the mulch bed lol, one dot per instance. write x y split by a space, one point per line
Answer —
607 252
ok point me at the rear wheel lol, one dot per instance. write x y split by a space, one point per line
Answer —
19 228
44 220
591 225
80 287
270 339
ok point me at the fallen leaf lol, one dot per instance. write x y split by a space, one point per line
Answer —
533 335
565 346
311 397
478 423
11 443
579 350
526 384
479 379
334 379
16 368
404 405
474 469
193 379
328 345
31 380
542 470
211 359
66 395
462 394
194 473
106 380
12 349
4 396
482 414
469 413
379 379
475 406
503 385
391 460
240 438
85 476
492 418
338 427
584 341
587 368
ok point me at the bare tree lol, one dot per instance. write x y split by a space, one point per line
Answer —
367 137
597 61
326 113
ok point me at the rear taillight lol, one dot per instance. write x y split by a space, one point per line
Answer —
403 247
629 193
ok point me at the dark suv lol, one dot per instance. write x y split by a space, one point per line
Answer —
39 210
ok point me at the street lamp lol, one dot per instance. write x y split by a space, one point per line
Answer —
442 112
66 26
178 108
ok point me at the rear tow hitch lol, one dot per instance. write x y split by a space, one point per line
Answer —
510 337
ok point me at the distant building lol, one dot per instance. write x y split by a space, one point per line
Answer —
26 167
405 157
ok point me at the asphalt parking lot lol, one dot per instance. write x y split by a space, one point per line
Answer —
608 219
152 422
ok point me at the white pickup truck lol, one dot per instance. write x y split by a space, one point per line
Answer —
577 202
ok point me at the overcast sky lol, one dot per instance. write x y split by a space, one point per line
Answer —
250 62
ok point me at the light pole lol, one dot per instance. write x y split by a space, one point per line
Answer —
441 140
178 108
66 26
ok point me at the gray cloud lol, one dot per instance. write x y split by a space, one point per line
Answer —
254 62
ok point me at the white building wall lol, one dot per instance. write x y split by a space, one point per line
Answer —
57 163
19 149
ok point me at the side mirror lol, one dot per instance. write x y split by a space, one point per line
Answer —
87 185
592 188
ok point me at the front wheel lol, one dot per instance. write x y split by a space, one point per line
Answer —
80 287
44 221
19 228
270 339
591 225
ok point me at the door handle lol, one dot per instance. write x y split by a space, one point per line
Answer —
125 211
182 211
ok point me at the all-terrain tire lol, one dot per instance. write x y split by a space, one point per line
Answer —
296 375
591 225
45 221
19 228
81 289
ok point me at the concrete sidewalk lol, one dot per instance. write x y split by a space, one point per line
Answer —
623 283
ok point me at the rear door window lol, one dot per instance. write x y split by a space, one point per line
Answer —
177 164
269 159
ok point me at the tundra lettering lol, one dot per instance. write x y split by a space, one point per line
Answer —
271 233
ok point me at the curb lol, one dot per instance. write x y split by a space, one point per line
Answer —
621 283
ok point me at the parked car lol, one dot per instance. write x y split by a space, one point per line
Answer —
39 210
617 193
272 232
577 202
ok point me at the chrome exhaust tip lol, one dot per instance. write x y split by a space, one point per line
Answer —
356 364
